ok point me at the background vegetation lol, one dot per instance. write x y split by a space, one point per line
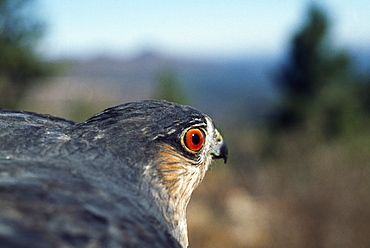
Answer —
303 181
299 179
20 65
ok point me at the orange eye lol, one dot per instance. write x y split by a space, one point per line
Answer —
194 139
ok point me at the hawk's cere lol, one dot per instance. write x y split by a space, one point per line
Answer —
122 178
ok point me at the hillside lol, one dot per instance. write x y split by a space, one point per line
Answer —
228 90
232 91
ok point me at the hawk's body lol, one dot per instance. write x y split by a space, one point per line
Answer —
119 179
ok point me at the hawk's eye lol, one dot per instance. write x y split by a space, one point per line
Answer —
194 139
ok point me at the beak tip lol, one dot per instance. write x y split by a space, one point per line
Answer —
222 152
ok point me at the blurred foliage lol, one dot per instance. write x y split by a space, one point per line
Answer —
318 83
169 87
20 65
314 191
364 95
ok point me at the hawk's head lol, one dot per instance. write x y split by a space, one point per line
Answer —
171 145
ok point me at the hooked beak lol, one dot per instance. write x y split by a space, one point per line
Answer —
220 150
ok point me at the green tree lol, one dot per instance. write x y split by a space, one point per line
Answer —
169 87
20 65
317 82
364 95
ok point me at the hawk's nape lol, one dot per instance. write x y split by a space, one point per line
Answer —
123 178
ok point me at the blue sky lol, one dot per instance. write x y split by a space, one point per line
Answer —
194 28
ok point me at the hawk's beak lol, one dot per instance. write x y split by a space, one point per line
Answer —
220 150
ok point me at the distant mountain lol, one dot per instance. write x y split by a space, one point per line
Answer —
361 57
230 91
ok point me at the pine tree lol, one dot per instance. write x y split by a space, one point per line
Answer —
20 64
317 82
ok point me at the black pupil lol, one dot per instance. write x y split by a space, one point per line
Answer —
195 138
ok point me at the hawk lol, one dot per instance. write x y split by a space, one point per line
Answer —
122 178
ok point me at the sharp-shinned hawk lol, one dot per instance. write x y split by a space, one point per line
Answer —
122 178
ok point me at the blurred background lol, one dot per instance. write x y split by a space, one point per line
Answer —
287 82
